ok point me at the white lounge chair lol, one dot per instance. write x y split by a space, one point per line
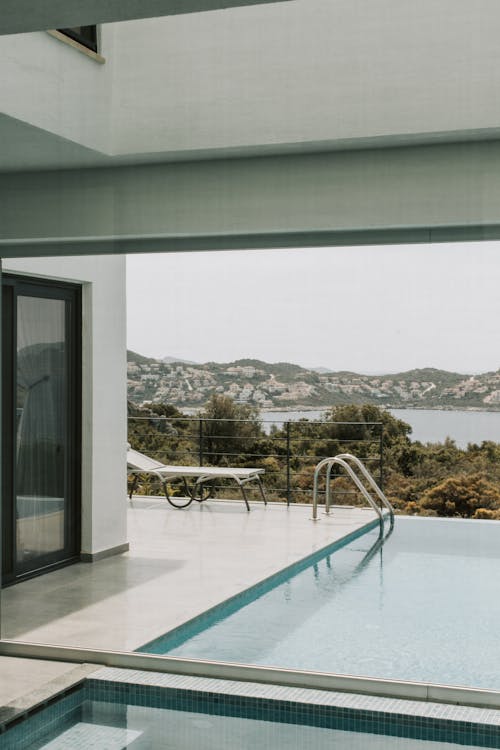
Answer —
139 463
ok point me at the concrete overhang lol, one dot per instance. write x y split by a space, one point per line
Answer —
21 16
440 193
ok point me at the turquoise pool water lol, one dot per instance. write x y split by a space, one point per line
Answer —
425 607
113 727
141 718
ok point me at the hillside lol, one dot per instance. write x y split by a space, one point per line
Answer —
284 385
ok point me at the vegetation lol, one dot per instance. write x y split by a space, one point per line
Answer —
463 495
230 431
432 479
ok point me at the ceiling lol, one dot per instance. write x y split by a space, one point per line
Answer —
19 16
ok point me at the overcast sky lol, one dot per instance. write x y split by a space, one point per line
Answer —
367 309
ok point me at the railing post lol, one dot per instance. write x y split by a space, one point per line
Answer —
381 459
328 479
288 484
200 442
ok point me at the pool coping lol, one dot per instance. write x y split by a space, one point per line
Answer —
371 686
43 696
279 704
347 700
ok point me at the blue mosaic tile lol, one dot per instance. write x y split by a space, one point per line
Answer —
281 705
331 710
64 711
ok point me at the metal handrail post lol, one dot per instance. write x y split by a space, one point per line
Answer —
200 442
369 478
381 454
327 488
360 486
288 483
317 470
340 462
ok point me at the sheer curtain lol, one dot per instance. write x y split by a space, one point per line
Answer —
41 410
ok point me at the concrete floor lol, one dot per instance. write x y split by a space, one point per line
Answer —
180 563
25 683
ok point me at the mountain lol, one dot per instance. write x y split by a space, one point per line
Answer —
170 360
284 385
134 357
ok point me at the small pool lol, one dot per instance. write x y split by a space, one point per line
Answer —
108 715
425 606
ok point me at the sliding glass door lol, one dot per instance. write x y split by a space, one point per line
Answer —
41 397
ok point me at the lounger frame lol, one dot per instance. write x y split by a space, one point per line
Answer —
139 463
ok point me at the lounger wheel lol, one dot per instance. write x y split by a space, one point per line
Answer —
179 501
201 492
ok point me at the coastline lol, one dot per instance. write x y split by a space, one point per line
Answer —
387 407
463 426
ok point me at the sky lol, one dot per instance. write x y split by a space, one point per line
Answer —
366 309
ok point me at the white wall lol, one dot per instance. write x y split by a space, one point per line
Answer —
104 415
303 72
308 71
49 84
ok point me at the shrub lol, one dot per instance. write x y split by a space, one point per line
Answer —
462 496
487 514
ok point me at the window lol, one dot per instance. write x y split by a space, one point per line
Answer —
86 35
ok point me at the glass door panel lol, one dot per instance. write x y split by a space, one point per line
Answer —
41 403
41 412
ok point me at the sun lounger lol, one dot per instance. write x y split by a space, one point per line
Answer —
139 463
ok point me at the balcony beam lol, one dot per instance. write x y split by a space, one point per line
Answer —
442 193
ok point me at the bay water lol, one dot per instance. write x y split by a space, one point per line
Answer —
428 425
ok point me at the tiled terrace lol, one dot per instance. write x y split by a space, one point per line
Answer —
180 563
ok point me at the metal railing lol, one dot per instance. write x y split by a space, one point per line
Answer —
345 460
287 450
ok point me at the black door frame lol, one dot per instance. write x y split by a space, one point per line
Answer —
12 287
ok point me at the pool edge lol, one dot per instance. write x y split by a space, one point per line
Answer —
281 705
232 603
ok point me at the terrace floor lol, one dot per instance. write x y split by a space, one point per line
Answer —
180 563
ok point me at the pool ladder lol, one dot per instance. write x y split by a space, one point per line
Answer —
347 461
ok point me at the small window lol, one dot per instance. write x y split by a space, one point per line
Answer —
86 35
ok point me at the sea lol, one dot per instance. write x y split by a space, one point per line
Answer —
428 425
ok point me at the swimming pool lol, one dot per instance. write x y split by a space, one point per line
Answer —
117 709
423 607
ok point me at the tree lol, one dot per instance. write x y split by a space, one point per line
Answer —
363 424
230 431
462 496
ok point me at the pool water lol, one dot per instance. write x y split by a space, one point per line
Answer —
424 606
96 725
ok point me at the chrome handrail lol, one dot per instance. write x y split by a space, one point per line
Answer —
350 472
360 465
342 460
